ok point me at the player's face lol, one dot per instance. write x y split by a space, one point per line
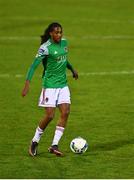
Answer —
56 34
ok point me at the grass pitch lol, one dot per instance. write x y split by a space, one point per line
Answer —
101 41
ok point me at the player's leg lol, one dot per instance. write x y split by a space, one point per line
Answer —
64 107
49 115
64 113
64 110
46 100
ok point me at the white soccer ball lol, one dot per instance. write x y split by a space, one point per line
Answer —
79 145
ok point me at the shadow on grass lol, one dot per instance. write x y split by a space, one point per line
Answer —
109 146
112 145
49 155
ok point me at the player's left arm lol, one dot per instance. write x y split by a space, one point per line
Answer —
70 67
74 72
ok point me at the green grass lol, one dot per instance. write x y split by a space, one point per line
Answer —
101 39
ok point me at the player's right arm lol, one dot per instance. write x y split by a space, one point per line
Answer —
42 52
30 74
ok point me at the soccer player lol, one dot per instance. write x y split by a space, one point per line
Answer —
55 92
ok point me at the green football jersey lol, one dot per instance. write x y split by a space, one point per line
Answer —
54 59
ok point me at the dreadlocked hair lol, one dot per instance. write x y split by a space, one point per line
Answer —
49 29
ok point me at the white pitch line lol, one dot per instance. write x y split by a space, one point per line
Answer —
19 38
80 74
19 75
106 73
90 37
4 75
33 18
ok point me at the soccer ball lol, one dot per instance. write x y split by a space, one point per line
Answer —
78 145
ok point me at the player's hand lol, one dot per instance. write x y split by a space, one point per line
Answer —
75 75
26 89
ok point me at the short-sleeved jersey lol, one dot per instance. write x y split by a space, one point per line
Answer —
54 62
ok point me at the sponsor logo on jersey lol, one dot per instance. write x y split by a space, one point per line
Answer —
66 49
61 58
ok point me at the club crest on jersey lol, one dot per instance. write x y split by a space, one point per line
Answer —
66 49
46 99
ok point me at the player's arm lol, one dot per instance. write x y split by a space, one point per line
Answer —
70 67
74 73
33 67
42 52
30 74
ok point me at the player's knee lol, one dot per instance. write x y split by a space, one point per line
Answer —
50 116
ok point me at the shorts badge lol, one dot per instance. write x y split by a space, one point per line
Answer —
46 99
